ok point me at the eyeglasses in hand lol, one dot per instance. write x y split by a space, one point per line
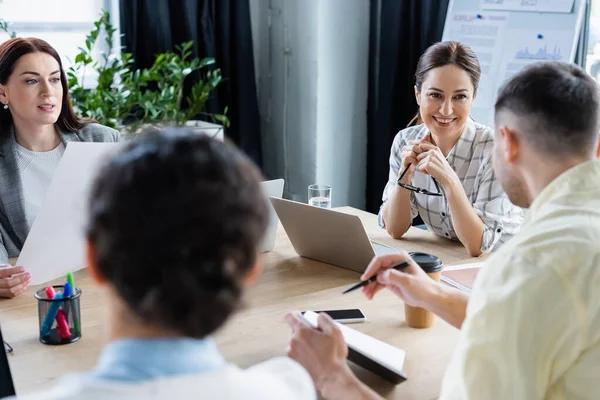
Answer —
416 189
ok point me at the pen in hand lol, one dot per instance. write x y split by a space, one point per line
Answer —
398 266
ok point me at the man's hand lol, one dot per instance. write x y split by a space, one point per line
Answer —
13 280
411 284
322 352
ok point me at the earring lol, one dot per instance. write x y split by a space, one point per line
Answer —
6 106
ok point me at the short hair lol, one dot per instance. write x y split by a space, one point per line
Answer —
176 220
557 104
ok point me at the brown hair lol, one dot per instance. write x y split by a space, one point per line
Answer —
557 107
447 53
10 52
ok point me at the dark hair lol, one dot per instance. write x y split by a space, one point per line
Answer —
447 53
10 52
176 219
557 105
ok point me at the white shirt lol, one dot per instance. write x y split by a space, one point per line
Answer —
532 329
36 170
278 378
471 159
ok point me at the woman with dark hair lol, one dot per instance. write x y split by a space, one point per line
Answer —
441 169
36 122
164 305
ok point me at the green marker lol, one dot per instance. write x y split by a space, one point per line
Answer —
71 281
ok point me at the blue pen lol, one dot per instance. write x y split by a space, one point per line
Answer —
67 292
52 311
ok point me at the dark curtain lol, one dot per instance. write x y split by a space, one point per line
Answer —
220 29
400 33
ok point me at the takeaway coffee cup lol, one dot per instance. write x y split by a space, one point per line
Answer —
416 317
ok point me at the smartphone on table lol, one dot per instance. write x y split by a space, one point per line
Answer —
345 316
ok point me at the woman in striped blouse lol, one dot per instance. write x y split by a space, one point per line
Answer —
441 168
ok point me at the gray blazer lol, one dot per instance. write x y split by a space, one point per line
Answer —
13 226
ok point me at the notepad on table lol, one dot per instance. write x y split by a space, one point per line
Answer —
370 353
461 276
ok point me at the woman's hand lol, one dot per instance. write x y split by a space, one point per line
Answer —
431 161
410 154
13 280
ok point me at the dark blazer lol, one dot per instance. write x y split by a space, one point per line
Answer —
13 226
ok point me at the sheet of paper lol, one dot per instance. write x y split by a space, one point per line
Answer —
526 46
464 266
56 242
560 6
484 33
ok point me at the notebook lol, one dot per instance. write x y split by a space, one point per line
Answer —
461 276
372 354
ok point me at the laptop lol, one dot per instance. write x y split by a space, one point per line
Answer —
274 189
7 387
328 236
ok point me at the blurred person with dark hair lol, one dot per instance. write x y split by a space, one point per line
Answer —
176 222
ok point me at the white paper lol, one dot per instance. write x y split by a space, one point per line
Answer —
56 242
464 266
526 46
560 6
384 354
484 33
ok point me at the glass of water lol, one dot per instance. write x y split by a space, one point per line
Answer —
319 196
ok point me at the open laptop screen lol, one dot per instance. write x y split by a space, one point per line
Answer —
6 383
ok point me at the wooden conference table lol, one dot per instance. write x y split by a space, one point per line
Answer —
258 332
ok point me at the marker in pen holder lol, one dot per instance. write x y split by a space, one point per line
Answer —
59 317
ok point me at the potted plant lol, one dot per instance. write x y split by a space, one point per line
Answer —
128 99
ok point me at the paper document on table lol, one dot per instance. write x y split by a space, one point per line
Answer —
560 6
462 276
484 33
56 242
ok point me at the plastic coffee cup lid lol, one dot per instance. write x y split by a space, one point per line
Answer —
428 262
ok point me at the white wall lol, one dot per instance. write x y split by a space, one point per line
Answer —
312 66
343 50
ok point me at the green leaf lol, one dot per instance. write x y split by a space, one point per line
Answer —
147 95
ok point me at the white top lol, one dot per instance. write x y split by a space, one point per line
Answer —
532 329
471 159
278 378
36 170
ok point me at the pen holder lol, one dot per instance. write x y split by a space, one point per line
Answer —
59 318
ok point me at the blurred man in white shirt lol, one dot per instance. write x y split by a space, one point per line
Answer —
531 328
